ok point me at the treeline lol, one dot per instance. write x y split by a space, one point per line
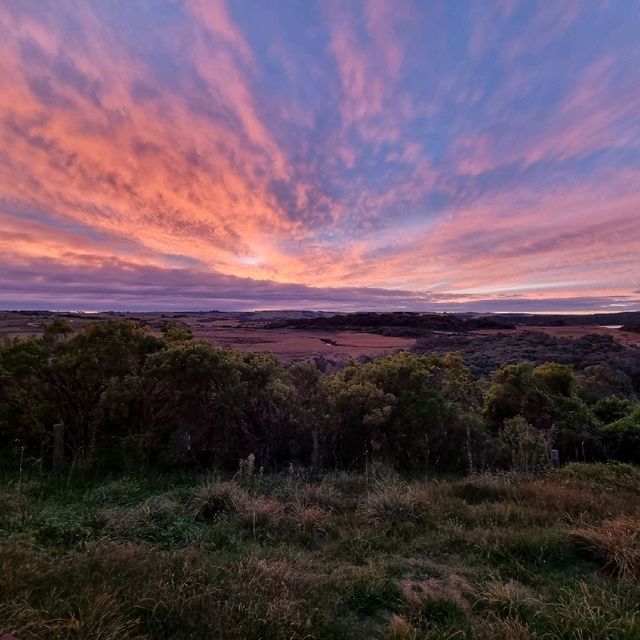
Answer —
128 398
634 328
399 323
614 363
566 320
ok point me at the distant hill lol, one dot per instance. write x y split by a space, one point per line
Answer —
405 324
561 320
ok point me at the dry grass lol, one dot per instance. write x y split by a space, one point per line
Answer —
343 558
615 544
323 495
13 504
303 513
311 519
401 629
261 513
510 629
395 506
593 611
295 343
623 478
102 617
505 599
142 521
567 501
252 511
217 498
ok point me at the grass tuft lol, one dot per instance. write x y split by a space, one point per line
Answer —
615 544
218 498
394 507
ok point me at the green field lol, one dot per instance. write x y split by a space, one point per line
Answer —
287 556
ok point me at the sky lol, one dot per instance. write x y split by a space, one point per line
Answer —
429 155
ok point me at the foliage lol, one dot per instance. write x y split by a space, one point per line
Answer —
622 437
617 367
529 448
390 323
546 397
634 328
625 477
130 399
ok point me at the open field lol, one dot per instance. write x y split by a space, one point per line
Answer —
288 344
288 557
628 338
244 334
247 332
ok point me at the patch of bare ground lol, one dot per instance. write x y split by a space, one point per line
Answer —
429 579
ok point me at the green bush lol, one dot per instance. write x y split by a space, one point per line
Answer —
620 476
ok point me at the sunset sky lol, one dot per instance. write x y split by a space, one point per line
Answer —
454 156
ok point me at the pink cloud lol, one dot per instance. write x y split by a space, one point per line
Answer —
591 117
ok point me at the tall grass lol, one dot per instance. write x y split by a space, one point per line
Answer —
343 556
615 544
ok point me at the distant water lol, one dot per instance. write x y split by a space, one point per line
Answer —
611 326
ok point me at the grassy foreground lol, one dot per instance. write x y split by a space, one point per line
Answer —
346 556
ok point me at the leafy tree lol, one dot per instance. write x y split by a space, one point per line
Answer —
128 397
403 410
622 437
267 415
81 369
56 330
556 379
546 397
24 411
528 448
176 332
186 399
54 378
611 408
512 392
358 411
600 381
311 407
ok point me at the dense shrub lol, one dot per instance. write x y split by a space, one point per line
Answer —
622 437
128 399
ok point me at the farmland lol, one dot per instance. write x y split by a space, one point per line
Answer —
288 344
300 335
244 332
